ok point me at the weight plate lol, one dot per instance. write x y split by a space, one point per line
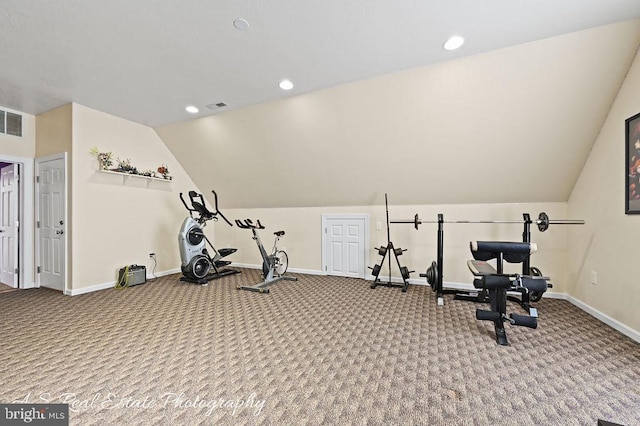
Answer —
543 222
432 275
376 270
535 296
405 272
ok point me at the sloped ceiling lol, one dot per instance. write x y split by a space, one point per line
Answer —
511 125
378 106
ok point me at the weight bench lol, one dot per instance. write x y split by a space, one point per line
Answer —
495 283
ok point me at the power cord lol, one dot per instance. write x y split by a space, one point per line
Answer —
155 264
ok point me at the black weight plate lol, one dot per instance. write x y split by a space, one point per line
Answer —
543 221
376 270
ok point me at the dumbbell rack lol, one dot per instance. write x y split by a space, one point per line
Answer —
384 252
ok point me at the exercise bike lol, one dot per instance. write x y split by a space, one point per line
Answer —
274 265
198 266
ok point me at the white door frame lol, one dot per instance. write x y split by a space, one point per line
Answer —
367 232
26 217
65 236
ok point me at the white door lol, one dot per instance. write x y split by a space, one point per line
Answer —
345 245
9 225
50 225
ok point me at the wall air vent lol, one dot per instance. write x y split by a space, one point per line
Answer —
217 105
10 123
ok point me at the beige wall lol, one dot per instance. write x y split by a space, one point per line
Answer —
54 131
519 121
119 221
608 244
303 239
24 146
54 135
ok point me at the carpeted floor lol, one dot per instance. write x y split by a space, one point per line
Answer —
322 350
4 288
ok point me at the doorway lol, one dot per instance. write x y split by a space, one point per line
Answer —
16 221
345 245
9 225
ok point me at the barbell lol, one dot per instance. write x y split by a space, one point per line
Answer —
542 222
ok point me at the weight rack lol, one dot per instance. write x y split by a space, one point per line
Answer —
384 251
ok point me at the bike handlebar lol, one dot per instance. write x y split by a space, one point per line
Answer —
248 224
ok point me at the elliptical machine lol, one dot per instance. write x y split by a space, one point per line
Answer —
198 266
274 264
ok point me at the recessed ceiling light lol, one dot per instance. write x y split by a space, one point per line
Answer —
192 109
286 85
241 24
453 43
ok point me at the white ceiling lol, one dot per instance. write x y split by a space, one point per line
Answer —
146 60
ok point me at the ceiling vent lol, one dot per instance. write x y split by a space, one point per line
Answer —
10 123
217 105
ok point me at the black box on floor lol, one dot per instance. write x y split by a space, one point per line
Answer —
136 274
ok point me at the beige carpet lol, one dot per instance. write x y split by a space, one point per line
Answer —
320 350
5 288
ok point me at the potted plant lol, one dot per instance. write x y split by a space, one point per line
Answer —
164 171
125 166
105 159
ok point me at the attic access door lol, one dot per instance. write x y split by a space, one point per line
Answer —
345 245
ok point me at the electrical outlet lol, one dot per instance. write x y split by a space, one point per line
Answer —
152 255
594 277
378 226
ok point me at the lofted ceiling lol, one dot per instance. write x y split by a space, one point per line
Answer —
377 105
512 125
147 60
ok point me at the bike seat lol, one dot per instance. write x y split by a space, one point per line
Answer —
278 233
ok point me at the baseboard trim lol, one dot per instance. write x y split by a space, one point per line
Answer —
112 284
613 323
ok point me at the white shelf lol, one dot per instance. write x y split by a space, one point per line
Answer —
126 176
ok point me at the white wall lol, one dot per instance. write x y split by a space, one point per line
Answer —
608 244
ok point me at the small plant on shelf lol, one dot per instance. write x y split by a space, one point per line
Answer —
105 159
124 166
